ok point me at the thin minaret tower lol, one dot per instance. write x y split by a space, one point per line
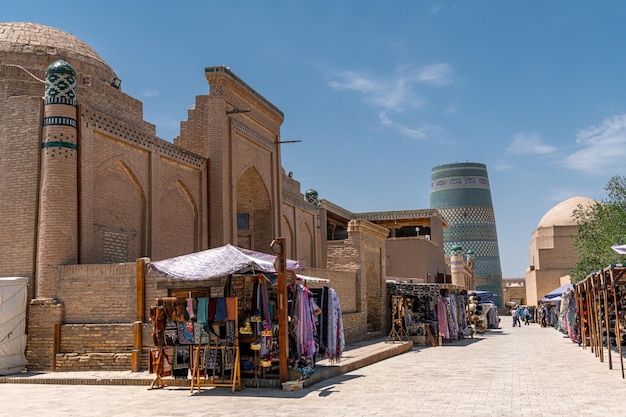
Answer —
57 239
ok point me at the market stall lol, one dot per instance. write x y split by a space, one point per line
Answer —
593 312
425 313
483 312
217 339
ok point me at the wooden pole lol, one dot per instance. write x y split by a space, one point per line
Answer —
590 316
141 288
603 285
596 319
56 349
278 246
618 332
581 321
140 274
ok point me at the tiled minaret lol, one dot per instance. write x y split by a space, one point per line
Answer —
461 193
57 242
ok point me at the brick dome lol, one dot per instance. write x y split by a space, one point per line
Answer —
561 214
36 46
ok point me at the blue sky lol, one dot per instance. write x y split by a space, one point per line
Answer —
381 92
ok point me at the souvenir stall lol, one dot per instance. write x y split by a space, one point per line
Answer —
601 306
482 312
218 339
569 322
427 313
548 310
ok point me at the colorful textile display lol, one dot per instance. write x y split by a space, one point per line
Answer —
335 343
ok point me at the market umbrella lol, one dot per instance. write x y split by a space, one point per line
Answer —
218 262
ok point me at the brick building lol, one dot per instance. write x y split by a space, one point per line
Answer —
552 254
90 194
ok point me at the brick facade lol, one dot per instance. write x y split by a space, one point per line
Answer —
132 195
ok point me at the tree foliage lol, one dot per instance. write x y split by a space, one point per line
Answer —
599 227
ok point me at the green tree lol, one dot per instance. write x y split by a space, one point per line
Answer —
599 227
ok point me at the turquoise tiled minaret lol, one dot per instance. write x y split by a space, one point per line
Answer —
461 193
57 241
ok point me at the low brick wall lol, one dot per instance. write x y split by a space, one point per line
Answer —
354 327
92 347
93 362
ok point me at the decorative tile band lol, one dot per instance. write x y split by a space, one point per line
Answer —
58 144
60 81
459 182
61 100
59 121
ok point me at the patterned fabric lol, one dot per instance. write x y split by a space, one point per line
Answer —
200 335
218 262
413 289
185 332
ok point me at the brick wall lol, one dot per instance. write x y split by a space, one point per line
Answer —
364 252
107 293
20 121
96 329
343 282
300 226
95 347
43 316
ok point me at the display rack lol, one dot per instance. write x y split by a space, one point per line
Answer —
204 370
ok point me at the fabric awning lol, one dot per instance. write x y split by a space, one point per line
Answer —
218 262
307 278
558 291
554 300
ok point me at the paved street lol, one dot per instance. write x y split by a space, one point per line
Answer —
527 371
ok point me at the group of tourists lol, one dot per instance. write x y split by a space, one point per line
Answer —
521 314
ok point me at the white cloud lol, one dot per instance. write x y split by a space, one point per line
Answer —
529 144
437 74
149 94
396 93
384 119
602 147
412 133
502 166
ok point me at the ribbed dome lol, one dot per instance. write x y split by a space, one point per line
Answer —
561 214
44 45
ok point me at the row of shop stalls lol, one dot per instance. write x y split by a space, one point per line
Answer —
430 314
234 334
547 313
592 313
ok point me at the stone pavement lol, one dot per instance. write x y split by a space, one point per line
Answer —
355 356
522 371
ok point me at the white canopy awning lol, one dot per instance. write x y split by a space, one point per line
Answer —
218 262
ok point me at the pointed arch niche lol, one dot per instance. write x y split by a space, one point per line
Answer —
305 244
287 233
254 212
178 221
119 215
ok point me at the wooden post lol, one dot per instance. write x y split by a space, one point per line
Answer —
618 327
141 288
278 246
56 345
140 274
137 342
603 285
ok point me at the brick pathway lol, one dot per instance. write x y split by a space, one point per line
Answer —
527 371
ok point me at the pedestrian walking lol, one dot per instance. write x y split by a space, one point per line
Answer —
515 314
526 317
